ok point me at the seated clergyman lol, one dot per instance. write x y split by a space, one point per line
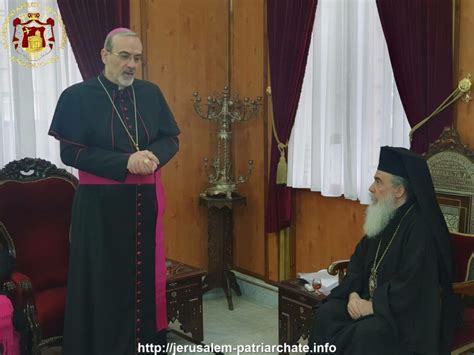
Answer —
397 296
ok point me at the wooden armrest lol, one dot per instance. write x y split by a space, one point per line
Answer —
24 301
9 288
337 266
24 289
464 288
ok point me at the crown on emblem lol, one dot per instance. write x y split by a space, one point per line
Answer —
33 15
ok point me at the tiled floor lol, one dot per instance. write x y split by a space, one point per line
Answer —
250 323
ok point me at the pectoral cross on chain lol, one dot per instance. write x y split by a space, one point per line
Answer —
372 283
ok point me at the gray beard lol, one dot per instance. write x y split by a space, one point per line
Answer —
378 215
125 82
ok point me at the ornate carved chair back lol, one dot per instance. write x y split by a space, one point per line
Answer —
35 215
451 166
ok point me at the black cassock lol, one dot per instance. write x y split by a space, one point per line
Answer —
406 303
110 303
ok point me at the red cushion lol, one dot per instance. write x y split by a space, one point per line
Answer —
37 216
463 247
50 305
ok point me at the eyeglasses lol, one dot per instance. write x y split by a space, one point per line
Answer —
125 56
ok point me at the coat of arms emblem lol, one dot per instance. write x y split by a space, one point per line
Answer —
33 37
33 31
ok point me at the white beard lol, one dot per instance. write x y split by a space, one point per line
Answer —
125 82
378 215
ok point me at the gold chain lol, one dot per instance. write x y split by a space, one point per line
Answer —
134 141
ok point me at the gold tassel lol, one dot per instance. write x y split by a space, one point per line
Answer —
282 169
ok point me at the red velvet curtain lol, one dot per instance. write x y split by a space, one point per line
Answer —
419 40
87 23
290 24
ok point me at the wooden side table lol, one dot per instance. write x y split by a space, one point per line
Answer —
296 307
221 243
184 298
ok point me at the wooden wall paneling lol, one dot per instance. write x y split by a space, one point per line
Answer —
293 236
186 51
247 79
135 25
272 257
465 111
327 229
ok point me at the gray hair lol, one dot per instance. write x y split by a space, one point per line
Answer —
398 181
112 35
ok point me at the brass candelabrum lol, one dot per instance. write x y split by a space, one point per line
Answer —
225 110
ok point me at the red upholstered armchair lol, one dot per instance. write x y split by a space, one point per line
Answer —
35 215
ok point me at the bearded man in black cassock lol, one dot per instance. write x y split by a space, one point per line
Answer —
396 298
119 132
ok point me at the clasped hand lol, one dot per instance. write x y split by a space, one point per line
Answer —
358 307
142 162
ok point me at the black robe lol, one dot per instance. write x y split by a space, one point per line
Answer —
110 304
406 303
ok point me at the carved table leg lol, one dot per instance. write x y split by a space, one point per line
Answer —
233 283
227 291
220 245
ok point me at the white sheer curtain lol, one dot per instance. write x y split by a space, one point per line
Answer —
349 104
28 97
